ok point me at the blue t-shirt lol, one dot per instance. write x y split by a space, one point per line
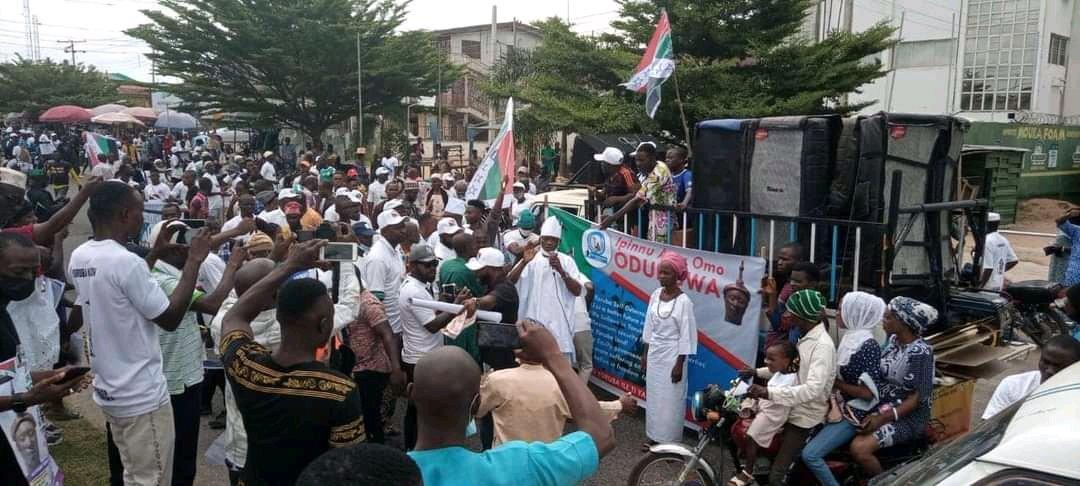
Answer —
684 181
1072 271
569 460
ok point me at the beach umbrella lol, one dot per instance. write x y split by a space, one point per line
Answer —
106 108
65 114
144 114
174 120
117 118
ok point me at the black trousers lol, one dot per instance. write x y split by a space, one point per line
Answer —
409 429
186 446
213 379
371 385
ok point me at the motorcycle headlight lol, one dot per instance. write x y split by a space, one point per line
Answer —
703 401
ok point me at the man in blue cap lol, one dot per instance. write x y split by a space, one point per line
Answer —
364 235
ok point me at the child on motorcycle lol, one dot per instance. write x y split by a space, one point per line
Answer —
782 361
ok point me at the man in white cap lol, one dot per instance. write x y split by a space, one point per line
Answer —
390 162
268 171
998 255
442 239
620 185
383 267
523 179
377 188
522 201
548 281
346 208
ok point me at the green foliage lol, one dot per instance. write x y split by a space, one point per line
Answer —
34 87
293 62
735 58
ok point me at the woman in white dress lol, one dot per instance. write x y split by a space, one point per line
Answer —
670 335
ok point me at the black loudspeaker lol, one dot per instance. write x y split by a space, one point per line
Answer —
722 150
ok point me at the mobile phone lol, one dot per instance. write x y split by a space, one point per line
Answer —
496 335
194 223
338 252
305 235
325 231
448 290
74 373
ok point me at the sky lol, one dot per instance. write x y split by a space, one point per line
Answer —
101 24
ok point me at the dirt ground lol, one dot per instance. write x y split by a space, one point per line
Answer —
1034 216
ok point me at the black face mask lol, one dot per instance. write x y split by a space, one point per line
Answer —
15 288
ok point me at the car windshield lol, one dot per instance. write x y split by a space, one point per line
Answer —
945 460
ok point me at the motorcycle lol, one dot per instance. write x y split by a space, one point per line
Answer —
1036 315
716 410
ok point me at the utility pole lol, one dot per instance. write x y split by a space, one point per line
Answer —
29 27
70 48
491 72
359 94
37 39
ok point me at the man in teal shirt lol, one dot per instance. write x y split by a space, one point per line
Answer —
454 272
445 384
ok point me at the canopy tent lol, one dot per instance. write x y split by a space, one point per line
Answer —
65 114
147 115
174 120
107 108
117 118
586 170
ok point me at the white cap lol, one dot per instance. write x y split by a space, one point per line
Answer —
455 206
156 230
287 193
267 154
642 144
448 177
447 226
390 217
486 257
551 227
519 185
12 177
341 191
382 170
610 155
993 217
392 204
352 196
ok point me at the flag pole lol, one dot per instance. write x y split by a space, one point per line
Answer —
682 114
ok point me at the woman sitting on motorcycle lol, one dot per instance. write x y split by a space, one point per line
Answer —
858 360
907 369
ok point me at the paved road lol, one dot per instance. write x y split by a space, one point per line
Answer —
614 469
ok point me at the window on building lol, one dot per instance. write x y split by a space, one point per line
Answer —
470 49
1059 47
1000 46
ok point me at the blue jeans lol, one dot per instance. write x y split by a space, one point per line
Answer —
827 439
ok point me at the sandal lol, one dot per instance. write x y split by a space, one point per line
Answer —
742 478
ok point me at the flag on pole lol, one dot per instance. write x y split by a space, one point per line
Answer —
497 164
95 144
655 67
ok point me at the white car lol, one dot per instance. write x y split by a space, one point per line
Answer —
1036 441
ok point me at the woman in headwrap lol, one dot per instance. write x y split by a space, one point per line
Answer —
907 380
858 359
670 335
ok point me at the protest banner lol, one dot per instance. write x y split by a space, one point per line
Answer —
25 431
724 289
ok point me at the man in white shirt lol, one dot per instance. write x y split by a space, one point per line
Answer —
156 190
420 326
267 171
583 338
516 239
442 242
548 281
347 208
521 202
181 189
1057 354
523 179
998 255
377 188
390 162
124 308
384 269
246 204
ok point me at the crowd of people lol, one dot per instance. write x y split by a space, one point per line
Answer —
313 355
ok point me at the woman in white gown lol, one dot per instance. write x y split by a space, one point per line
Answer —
670 335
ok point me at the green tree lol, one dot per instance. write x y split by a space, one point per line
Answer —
293 62
34 87
735 58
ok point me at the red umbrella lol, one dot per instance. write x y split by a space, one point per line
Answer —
65 114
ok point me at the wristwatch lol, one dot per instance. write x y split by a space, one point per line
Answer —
18 403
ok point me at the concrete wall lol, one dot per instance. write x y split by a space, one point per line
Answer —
1051 169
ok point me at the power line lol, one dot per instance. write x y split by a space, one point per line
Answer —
71 48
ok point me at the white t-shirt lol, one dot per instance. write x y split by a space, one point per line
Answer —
1012 389
267 171
997 253
391 163
376 192
332 216
157 192
383 271
416 340
516 208
233 223
276 216
179 192
119 298
582 323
